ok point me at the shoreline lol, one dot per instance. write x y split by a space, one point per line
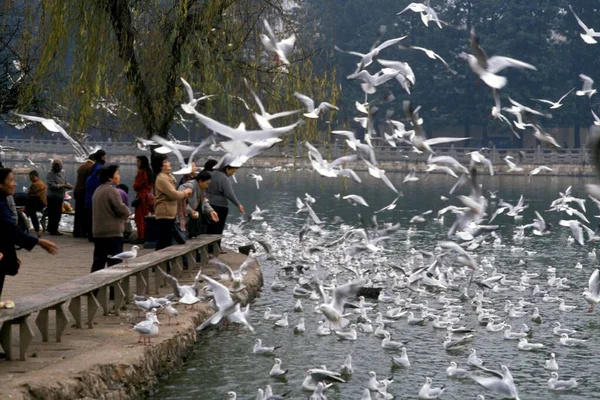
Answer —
106 362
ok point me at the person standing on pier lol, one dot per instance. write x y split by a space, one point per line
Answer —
36 200
57 186
220 193
144 199
167 196
11 235
192 212
80 228
91 184
109 216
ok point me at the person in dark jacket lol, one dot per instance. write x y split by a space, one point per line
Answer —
91 184
83 172
10 235
57 186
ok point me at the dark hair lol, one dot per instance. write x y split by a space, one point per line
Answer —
209 165
145 165
4 174
203 176
98 155
157 163
123 187
33 173
107 172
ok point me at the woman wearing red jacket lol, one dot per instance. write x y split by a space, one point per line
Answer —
144 199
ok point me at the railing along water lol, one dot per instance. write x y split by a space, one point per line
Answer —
94 287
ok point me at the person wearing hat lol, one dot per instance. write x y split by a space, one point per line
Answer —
220 193
57 184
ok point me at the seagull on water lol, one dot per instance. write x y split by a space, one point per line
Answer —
556 385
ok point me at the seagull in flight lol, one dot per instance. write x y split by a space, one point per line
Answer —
539 169
589 34
82 153
586 90
366 59
283 48
487 68
431 54
191 104
310 106
427 13
558 104
417 140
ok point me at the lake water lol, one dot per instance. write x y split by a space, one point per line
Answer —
223 359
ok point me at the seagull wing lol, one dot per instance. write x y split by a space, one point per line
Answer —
565 95
342 160
342 292
188 89
315 153
256 99
580 22
594 283
172 281
247 264
441 140
388 43
224 268
220 293
498 63
246 136
175 150
307 101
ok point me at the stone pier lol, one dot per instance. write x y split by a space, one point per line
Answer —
106 361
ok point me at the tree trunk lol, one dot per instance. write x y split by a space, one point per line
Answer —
120 16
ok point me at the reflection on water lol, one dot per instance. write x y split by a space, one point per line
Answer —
224 361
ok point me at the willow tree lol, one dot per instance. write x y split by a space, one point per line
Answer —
125 58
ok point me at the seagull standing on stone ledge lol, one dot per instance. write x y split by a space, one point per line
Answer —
126 255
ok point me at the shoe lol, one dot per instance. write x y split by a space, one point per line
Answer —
57 234
223 252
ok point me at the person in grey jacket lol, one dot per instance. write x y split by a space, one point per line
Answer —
57 185
220 193
197 203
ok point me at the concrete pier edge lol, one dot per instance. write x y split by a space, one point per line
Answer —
138 374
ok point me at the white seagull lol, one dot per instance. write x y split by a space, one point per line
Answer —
586 89
592 294
313 112
283 48
554 105
126 255
589 34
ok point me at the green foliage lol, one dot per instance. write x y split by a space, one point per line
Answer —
127 56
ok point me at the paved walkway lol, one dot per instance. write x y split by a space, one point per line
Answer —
86 359
41 270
